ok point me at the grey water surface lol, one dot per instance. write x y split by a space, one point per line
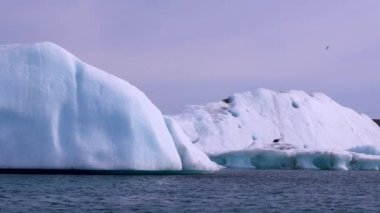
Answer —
225 191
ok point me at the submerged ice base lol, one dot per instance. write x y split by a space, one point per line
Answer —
298 159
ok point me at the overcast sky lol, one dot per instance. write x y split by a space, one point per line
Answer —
197 51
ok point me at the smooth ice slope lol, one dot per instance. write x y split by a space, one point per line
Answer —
193 159
303 123
58 112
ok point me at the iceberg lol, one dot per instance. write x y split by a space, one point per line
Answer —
265 129
57 112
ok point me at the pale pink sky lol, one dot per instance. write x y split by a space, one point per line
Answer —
196 51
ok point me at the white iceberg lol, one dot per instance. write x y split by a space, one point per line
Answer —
57 112
268 129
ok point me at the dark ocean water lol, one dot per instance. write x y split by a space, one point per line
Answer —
226 191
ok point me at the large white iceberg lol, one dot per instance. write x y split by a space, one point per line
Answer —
57 112
268 129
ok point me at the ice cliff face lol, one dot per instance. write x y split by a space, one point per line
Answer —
58 112
251 128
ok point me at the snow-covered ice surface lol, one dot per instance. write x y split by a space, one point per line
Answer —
57 112
268 129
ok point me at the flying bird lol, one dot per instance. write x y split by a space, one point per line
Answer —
327 47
